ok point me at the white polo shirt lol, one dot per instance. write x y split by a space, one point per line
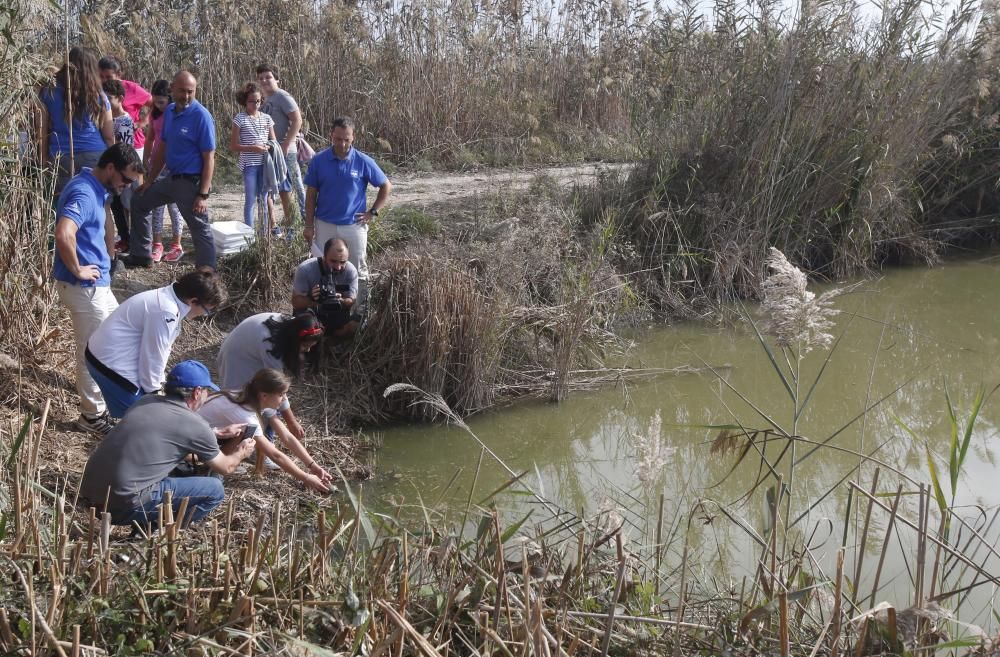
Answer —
135 340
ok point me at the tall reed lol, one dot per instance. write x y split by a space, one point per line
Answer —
25 212
846 145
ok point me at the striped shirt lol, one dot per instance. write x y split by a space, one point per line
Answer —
253 130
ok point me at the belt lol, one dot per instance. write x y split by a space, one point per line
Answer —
124 383
193 177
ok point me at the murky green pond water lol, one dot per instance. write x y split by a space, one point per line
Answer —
908 337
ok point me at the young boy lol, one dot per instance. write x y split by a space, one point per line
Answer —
124 134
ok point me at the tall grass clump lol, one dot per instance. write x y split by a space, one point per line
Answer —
25 210
844 142
261 272
478 327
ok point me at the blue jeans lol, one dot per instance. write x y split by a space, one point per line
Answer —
115 396
203 493
251 183
293 182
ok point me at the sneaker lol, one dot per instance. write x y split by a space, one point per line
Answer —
121 246
100 425
136 262
277 232
175 253
157 252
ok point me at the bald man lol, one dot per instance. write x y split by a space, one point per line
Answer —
186 149
328 286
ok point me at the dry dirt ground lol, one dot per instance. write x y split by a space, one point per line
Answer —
430 189
64 448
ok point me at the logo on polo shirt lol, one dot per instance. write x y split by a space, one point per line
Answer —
355 173
185 130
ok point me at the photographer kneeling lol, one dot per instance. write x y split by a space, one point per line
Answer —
329 287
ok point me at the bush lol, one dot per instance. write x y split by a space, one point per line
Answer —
843 146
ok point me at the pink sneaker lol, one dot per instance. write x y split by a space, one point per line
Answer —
174 254
157 252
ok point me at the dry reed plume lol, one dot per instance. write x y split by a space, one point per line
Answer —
794 316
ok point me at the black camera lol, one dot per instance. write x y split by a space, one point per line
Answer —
330 295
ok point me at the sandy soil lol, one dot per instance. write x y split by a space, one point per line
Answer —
428 189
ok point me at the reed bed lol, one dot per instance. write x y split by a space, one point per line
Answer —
846 143
430 82
457 329
25 331
331 576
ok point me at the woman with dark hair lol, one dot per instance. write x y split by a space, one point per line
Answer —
75 105
265 340
260 404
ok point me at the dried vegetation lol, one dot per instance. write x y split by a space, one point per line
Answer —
845 146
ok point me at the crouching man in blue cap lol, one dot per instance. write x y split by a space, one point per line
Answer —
131 468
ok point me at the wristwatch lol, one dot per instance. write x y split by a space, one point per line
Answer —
373 212
205 195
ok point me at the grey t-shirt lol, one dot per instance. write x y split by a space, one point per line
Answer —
279 105
308 275
245 351
154 436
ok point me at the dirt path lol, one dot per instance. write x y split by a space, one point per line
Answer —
433 188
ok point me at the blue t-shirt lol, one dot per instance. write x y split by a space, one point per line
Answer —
187 134
82 202
341 184
86 134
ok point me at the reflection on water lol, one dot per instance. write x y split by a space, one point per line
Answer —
907 338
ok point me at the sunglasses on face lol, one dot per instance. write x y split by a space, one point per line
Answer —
127 179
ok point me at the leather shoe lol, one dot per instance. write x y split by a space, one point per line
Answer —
136 262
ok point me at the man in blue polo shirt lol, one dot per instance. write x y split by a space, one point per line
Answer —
82 270
187 148
336 201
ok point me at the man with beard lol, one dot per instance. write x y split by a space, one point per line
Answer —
336 200
84 241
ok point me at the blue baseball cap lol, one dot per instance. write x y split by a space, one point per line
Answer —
190 374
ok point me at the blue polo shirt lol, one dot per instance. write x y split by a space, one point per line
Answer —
187 134
82 202
86 134
342 184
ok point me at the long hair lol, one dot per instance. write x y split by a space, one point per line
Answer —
81 81
288 334
267 381
160 88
